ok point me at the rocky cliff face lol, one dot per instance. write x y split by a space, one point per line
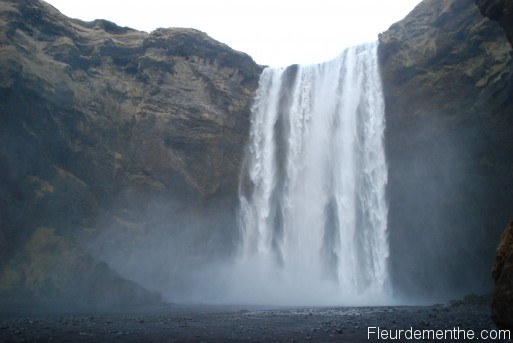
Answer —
501 11
447 74
106 134
502 299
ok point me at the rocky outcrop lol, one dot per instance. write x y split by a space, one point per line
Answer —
501 11
502 273
447 74
108 129
502 301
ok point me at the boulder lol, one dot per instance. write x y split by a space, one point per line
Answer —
502 273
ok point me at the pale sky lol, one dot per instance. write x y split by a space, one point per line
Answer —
274 32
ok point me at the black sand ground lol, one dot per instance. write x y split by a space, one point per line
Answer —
180 323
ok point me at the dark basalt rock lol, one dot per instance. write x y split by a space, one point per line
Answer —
447 74
502 273
105 128
502 305
501 11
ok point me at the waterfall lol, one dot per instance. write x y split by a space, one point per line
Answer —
313 211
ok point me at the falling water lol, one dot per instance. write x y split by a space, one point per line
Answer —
313 213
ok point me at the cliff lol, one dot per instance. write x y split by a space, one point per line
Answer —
500 11
447 75
102 130
502 298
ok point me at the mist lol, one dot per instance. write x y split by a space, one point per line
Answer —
440 200
445 212
174 247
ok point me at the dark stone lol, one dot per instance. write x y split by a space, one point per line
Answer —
502 272
447 77
500 11
109 131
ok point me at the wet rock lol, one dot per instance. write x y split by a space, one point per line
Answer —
96 120
447 74
501 11
502 272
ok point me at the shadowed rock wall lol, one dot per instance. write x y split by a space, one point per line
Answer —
447 74
500 11
105 130
502 300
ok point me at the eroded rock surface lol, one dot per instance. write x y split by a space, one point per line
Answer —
501 11
447 74
502 272
105 128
